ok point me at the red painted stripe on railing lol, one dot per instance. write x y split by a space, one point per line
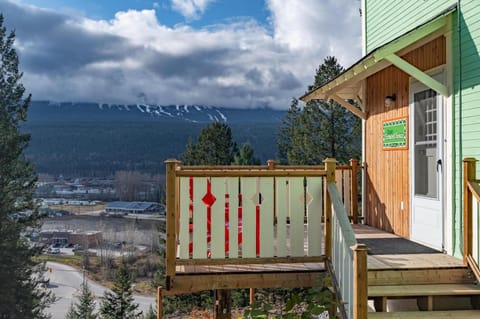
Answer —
257 230
227 222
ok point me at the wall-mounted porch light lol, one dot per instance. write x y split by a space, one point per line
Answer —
390 100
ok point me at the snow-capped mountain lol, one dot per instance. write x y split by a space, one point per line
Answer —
45 110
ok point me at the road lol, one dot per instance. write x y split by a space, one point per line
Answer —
65 283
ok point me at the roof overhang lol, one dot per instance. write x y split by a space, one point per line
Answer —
350 84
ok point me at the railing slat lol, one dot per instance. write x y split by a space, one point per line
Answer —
233 216
250 189
184 234
346 191
297 217
266 217
475 230
218 218
314 216
199 218
283 209
339 181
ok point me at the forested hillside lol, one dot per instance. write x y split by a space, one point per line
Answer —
92 140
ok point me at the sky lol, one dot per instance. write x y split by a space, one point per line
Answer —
226 53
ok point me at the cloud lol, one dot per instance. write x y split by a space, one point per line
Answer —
240 63
190 9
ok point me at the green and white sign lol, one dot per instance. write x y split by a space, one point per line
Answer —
395 134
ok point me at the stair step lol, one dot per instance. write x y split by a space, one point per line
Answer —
420 276
424 290
457 314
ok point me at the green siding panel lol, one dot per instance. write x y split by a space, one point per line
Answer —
466 102
386 20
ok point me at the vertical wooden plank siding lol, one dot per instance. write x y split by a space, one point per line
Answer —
266 217
314 216
185 206
283 209
296 217
233 218
250 189
199 218
218 218
387 172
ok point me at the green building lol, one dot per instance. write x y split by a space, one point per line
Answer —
417 89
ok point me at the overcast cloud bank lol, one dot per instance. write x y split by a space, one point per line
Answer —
133 58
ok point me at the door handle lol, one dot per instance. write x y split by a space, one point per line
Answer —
439 163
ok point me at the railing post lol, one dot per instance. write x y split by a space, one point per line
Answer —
353 191
330 164
159 303
171 217
271 164
360 281
469 174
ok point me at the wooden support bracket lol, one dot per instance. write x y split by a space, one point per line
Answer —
352 108
417 74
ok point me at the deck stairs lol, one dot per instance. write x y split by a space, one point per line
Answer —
434 293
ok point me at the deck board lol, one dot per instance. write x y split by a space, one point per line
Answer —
388 261
465 314
253 268
399 257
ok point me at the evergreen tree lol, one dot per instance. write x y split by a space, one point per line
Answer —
85 309
119 304
321 129
215 147
286 132
20 275
189 156
245 156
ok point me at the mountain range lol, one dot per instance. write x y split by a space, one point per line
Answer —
51 111
92 139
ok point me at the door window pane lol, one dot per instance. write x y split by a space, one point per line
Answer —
425 143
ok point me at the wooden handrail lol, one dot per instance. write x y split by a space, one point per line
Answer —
357 257
347 230
474 189
251 173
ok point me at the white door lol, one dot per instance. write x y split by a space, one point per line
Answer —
426 156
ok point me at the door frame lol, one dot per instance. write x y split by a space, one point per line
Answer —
438 73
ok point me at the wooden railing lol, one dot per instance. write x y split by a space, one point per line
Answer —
267 214
348 258
471 222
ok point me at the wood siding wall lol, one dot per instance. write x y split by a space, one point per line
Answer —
387 173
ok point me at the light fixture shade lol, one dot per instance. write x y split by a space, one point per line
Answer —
390 100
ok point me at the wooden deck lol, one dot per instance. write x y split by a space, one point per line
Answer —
388 252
